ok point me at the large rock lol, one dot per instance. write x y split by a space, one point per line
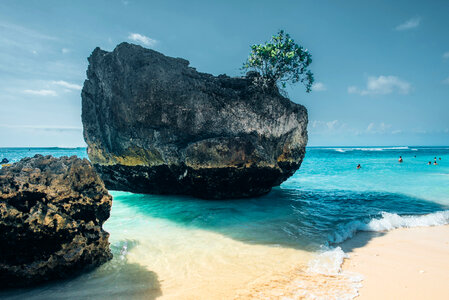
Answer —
155 125
51 216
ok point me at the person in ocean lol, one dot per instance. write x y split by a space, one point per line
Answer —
400 159
358 166
429 163
435 162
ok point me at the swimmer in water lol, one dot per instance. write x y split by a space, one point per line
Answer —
400 159
429 163
358 166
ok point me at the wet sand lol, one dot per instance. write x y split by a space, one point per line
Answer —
410 263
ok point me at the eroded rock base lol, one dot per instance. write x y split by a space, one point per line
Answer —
207 183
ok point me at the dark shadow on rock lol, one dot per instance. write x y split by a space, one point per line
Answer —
116 279
284 217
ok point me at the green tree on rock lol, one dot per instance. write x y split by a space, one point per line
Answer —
280 61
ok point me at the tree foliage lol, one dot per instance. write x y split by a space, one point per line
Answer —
281 61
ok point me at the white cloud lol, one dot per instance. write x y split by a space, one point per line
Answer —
419 130
40 92
353 89
382 85
334 127
409 24
446 81
136 37
384 126
337 127
68 85
328 126
65 50
332 124
446 55
318 87
377 128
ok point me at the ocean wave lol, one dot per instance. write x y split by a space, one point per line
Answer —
329 260
340 284
387 222
433 148
371 149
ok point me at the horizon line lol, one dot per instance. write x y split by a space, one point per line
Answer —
329 146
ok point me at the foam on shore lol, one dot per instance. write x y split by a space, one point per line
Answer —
387 222
329 261
370 149
407 263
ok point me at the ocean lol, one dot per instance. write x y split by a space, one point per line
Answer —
283 243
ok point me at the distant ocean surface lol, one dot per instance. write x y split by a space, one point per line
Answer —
185 248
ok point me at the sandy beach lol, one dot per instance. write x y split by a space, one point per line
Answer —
408 263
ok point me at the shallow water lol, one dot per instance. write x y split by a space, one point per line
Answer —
187 248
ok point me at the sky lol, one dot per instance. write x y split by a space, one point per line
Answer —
381 67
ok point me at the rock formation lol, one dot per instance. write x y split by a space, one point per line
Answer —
155 125
51 216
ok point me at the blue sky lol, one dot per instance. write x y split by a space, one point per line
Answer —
381 67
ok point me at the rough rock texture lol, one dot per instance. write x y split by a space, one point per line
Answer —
51 216
155 125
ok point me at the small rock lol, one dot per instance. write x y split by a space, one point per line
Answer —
51 216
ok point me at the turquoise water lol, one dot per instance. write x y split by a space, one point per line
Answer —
155 237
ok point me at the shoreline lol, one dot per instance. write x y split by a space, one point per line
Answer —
405 263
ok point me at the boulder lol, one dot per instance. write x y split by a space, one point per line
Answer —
4 161
51 216
155 125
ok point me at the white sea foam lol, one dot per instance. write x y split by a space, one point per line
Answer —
328 262
371 149
342 284
389 221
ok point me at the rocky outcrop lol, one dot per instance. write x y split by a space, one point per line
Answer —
51 216
155 125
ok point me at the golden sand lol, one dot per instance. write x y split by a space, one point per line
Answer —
199 264
402 264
